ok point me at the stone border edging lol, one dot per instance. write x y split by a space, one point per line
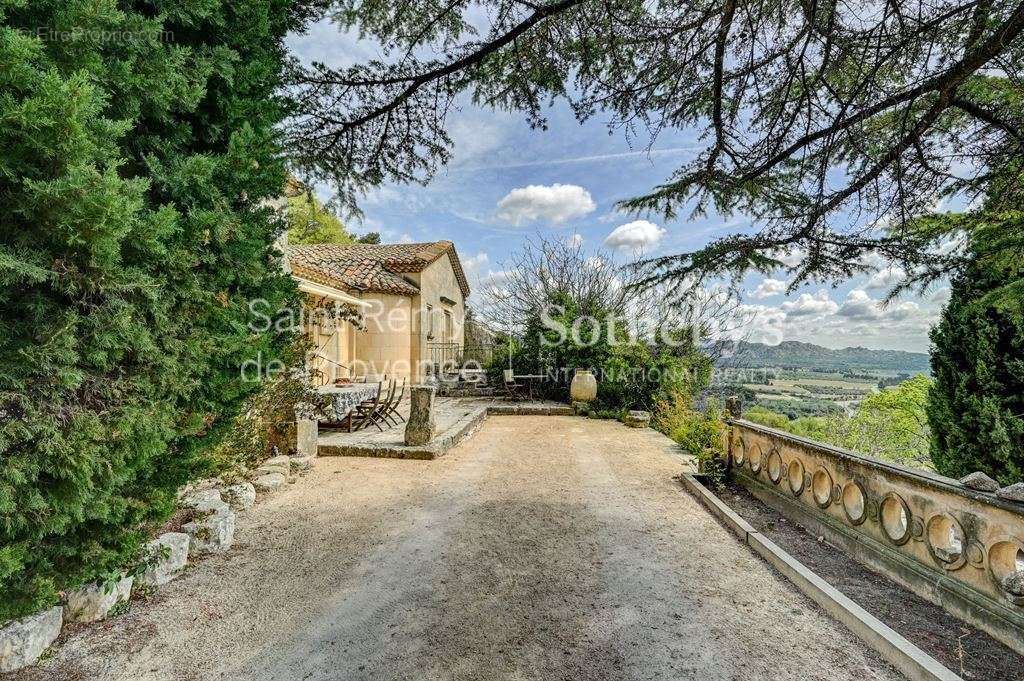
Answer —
897 650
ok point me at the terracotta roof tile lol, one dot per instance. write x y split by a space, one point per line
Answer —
371 267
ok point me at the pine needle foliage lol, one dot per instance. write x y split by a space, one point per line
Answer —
138 149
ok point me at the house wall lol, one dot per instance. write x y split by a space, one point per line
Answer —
385 346
436 281
333 345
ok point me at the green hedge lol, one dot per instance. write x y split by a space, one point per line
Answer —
138 144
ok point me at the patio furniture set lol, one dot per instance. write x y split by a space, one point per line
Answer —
366 404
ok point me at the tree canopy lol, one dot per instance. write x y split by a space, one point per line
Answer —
833 124
309 222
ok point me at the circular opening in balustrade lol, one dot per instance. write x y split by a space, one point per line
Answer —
796 477
855 502
1006 566
946 540
895 517
754 459
775 466
821 487
741 453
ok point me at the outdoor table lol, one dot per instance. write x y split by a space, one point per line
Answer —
530 380
345 397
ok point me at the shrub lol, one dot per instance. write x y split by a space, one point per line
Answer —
133 240
698 433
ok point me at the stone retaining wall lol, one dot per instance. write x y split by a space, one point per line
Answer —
955 546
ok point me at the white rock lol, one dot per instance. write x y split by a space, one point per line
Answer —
269 482
638 419
979 481
213 533
211 507
240 497
193 499
175 545
91 603
1014 492
23 640
302 463
281 463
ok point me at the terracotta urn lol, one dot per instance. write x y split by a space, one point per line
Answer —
583 387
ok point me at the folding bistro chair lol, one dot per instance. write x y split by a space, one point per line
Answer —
362 414
391 409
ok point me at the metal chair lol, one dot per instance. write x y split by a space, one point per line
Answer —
513 390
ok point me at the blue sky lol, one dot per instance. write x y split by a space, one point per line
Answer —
508 182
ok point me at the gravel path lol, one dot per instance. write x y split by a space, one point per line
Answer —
541 548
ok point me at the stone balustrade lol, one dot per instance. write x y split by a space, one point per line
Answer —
958 547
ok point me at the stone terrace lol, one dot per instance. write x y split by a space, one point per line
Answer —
456 419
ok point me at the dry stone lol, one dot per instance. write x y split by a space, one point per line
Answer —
198 497
268 482
302 463
307 435
979 481
23 640
421 427
212 532
172 547
279 464
92 603
637 419
1014 583
241 496
1014 492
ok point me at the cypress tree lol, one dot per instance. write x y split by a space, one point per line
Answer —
138 152
976 405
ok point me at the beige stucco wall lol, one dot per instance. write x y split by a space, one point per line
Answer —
437 281
397 328
385 345
333 345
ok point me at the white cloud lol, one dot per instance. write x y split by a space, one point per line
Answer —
886 278
636 235
757 324
575 241
808 305
860 306
556 203
406 239
768 288
494 279
790 258
475 263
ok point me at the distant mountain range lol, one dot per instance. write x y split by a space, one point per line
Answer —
797 355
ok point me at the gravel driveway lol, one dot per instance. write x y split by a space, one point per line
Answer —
541 548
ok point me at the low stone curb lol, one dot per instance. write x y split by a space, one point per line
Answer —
910 660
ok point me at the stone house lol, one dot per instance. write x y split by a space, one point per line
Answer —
411 299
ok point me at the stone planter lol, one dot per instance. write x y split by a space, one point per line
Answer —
92 603
23 640
583 387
